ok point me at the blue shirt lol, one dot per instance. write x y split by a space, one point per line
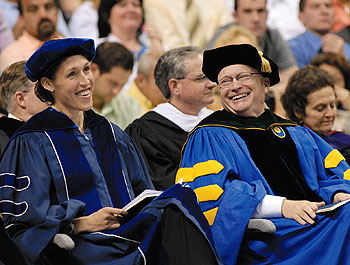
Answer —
307 45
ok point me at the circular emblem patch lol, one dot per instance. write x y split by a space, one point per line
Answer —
278 131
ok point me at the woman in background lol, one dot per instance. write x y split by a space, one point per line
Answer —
123 21
310 100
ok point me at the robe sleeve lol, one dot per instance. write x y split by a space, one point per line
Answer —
132 160
324 168
161 155
27 196
213 164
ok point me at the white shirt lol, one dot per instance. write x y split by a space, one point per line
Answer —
185 121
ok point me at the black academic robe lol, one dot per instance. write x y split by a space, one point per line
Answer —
160 142
7 128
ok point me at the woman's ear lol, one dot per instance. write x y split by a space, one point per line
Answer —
299 116
47 84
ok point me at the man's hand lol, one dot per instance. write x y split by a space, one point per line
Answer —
341 196
332 43
301 211
104 219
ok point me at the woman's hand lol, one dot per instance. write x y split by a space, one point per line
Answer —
104 219
301 211
155 37
341 196
343 96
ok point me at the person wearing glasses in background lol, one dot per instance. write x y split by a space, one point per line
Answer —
245 162
161 132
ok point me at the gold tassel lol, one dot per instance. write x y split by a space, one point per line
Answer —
265 65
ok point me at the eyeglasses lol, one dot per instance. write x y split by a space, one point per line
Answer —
226 82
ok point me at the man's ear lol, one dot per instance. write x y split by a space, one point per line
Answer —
266 83
301 17
141 81
19 99
235 17
174 86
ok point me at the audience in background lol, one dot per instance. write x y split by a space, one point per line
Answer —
318 19
160 133
341 14
310 100
236 34
111 69
338 67
186 22
6 35
252 14
283 16
144 88
122 21
81 17
10 10
39 19
18 98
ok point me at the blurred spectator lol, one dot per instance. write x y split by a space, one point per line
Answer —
318 19
310 101
18 98
111 69
187 22
236 34
252 14
144 88
122 21
345 34
39 18
341 14
10 10
81 17
230 5
6 35
17 93
338 67
283 16
160 133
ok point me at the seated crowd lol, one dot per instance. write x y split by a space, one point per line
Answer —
237 110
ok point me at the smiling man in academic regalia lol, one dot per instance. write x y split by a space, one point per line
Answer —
245 162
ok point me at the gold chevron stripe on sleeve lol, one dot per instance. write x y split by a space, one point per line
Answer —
333 159
210 215
189 174
346 174
209 193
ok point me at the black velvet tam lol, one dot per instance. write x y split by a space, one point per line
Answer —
216 59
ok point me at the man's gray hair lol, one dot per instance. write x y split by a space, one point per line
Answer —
171 65
13 79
